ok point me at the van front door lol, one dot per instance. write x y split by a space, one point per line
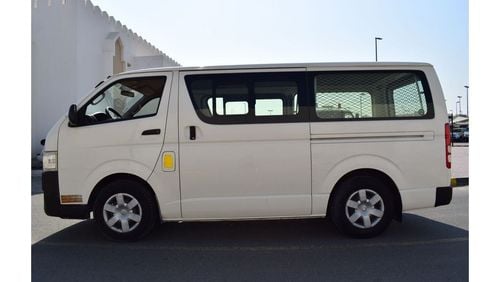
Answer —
244 145
120 130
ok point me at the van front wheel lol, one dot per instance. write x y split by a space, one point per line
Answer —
125 211
362 207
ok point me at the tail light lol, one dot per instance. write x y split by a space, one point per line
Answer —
447 137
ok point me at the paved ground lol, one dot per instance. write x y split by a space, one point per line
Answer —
430 245
460 160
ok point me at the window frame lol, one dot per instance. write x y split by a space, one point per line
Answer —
420 75
298 77
83 108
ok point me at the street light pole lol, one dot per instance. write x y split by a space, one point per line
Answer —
360 107
361 104
456 108
376 55
460 104
467 97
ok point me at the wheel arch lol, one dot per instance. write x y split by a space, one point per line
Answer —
120 176
372 173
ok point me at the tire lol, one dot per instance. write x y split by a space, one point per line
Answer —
125 210
362 206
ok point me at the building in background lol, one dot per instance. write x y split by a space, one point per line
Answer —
74 46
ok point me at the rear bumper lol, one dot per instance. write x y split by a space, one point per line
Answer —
443 196
51 202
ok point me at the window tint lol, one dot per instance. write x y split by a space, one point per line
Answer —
125 99
227 108
409 100
201 92
230 99
365 95
244 98
275 98
150 108
269 107
331 105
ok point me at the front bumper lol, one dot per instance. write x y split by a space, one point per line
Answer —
51 199
443 196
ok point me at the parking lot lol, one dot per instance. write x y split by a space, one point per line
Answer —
430 244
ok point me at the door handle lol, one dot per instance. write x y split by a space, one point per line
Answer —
192 133
155 131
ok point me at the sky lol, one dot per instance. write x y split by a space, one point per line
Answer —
222 32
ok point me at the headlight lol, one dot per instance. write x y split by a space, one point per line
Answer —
49 161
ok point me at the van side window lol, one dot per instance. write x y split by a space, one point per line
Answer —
150 108
230 99
409 99
331 105
247 98
275 98
125 99
372 95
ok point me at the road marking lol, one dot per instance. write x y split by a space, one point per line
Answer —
262 248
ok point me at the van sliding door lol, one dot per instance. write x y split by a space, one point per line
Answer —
244 144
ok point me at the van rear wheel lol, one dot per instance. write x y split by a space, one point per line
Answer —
362 207
125 210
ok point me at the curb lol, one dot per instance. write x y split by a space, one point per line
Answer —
457 182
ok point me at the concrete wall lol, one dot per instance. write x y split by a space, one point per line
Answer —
73 44
144 62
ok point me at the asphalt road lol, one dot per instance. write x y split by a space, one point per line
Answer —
430 245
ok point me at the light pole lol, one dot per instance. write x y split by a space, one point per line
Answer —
467 97
361 105
456 108
376 55
460 104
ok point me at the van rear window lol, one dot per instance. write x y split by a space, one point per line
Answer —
372 95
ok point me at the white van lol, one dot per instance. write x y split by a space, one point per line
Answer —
356 142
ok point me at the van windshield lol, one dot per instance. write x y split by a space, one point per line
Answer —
126 99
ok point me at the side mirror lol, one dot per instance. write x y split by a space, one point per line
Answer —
73 115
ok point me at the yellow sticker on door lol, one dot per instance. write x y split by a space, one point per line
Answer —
168 161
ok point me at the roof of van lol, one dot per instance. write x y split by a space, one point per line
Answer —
290 65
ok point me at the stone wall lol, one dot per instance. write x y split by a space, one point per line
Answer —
73 44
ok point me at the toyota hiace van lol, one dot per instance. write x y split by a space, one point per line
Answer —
358 143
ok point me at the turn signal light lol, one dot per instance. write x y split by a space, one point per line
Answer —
71 199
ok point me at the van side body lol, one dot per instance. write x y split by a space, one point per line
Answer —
254 142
